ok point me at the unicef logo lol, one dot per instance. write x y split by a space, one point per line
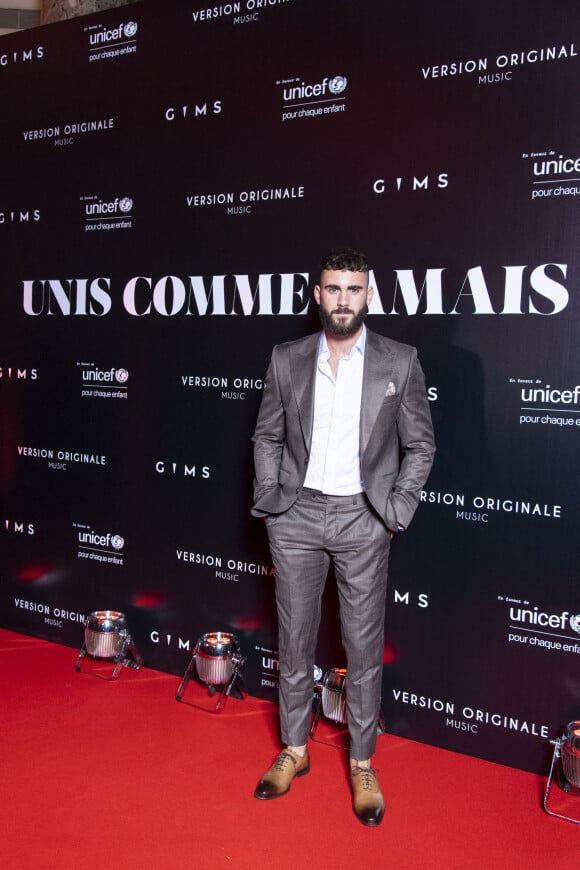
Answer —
130 29
337 84
126 204
575 623
121 376
117 542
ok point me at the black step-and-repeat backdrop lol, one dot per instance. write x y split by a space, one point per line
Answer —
172 174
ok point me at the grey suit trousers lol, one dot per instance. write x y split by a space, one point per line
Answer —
303 540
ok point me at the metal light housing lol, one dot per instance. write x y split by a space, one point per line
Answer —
565 769
107 637
217 660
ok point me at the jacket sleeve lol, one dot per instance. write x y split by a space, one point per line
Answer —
417 444
269 436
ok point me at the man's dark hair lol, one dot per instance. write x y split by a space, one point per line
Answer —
344 258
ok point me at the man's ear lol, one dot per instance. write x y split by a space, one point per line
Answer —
317 294
370 294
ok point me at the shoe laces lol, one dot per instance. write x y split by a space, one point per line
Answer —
368 777
282 761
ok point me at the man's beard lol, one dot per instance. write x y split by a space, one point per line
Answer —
346 328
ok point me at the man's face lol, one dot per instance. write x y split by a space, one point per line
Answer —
343 298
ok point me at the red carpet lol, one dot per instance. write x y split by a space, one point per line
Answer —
120 776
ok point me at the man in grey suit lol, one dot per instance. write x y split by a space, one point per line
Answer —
342 447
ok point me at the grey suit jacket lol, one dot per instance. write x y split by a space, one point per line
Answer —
396 434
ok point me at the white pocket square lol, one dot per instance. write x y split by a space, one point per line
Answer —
391 389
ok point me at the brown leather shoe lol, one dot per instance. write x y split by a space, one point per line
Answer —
368 802
276 781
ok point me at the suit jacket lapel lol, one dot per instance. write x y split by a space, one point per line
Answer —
378 371
303 360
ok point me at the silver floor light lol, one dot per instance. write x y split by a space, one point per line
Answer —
565 768
107 637
217 660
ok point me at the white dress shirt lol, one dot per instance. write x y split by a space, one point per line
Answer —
334 463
